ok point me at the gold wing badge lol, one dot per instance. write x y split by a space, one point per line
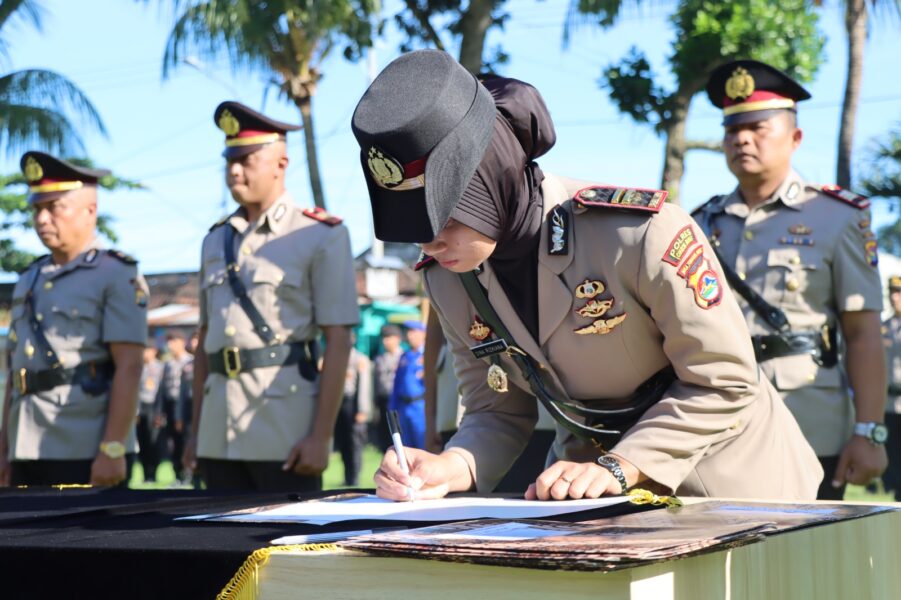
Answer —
602 326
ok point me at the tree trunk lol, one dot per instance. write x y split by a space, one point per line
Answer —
674 150
856 28
473 28
305 104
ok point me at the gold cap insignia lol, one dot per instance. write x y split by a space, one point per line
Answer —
229 123
478 330
740 84
33 170
386 170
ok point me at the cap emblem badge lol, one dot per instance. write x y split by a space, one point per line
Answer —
740 84
386 171
228 123
33 170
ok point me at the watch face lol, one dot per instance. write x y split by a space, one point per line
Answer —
880 434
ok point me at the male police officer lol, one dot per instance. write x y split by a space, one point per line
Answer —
803 259
272 275
79 323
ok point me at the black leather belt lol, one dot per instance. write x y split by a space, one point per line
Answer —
93 377
232 361
894 390
820 344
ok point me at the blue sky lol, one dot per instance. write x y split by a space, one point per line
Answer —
162 132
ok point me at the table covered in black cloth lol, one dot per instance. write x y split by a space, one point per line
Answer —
124 544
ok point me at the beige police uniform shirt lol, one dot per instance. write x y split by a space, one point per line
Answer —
719 430
86 304
299 274
814 257
891 338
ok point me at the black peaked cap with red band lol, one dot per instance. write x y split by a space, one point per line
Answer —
423 126
247 130
749 90
48 176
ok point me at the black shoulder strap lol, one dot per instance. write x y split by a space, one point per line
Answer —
43 344
772 315
533 376
237 286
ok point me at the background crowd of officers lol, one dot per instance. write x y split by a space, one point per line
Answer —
252 401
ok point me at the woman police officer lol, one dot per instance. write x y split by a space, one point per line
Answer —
603 303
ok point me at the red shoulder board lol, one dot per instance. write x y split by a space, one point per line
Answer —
424 261
621 197
321 215
847 196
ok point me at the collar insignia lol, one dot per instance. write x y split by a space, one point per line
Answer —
478 330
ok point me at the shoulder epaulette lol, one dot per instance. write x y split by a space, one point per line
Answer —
847 196
220 222
710 204
321 215
34 262
621 197
424 262
121 256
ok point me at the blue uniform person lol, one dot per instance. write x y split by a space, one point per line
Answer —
408 396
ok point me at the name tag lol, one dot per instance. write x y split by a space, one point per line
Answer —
489 348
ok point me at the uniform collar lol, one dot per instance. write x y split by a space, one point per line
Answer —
274 219
788 193
89 258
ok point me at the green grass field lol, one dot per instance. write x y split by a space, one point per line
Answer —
333 478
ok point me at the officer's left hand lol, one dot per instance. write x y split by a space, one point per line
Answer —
107 471
570 480
309 456
860 462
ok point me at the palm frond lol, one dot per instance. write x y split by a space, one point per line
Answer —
50 92
23 127
29 12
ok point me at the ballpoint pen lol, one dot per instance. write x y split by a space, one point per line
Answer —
394 430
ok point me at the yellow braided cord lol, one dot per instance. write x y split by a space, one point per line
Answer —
639 496
72 486
245 585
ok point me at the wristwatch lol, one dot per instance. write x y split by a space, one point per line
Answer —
113 449
877 433
611 464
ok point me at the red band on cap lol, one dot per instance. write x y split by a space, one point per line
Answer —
757 96
415 168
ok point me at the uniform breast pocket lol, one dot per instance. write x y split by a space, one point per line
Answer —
792 273
75 323
272 284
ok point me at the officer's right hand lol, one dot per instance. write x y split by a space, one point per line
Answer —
431 475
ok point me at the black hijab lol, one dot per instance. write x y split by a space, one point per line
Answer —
503 199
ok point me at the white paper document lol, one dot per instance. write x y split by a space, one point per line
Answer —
368 507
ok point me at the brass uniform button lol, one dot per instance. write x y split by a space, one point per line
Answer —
48 285
796 260
749 235
812 377
741 275
230 330
792 285
245 250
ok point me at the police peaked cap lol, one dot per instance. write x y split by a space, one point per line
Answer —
749 90
247 130
48 176
423 126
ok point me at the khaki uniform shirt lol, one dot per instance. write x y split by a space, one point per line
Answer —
720 429
299 274
891 338
83 306
813 284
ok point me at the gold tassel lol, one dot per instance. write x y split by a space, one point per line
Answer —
640 496
245 585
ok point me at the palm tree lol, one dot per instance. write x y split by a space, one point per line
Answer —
856 17
287 39
36 105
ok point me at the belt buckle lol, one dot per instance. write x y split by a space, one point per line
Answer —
20 381
231 358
